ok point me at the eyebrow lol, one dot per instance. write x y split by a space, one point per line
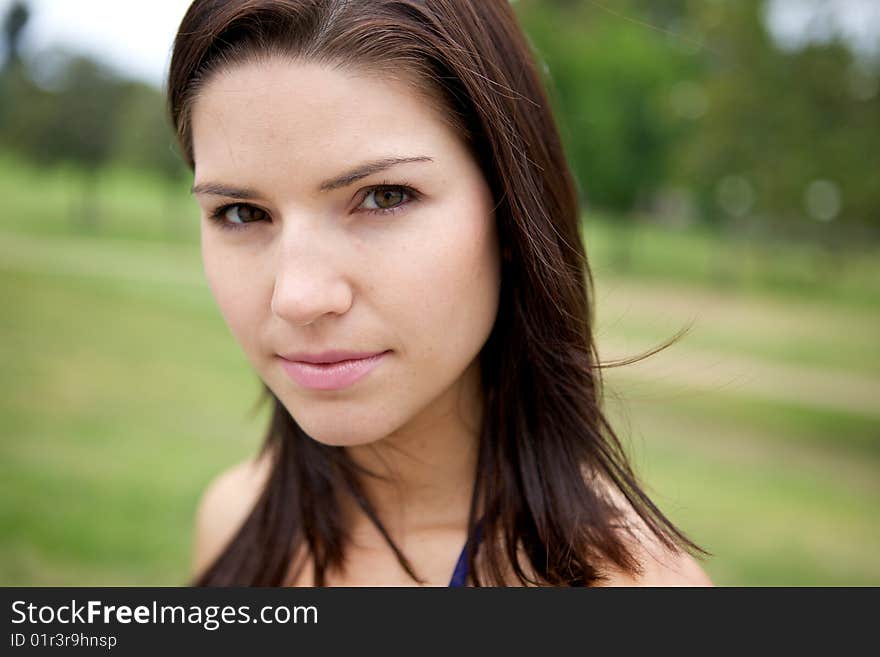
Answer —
346 179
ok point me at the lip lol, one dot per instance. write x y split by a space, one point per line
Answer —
331 370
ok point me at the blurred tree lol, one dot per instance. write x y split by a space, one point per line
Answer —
11 73
790 143
14 22
610 74
71 118
696 94
63 108
144 138
609 69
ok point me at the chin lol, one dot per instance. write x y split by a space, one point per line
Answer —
336 430
344 437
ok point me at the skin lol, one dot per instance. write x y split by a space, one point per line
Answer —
317 271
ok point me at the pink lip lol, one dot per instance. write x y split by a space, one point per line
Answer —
331 370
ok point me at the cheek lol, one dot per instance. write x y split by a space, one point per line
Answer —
452 281
235 287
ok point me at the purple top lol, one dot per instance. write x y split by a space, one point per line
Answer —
460 574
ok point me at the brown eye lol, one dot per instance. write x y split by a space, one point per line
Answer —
244 214
385 198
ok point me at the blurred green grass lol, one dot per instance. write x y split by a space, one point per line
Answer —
123 393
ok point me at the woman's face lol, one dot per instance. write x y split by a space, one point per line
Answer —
350 218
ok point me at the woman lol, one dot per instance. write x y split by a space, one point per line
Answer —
390 230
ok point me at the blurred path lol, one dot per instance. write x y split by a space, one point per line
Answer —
689 367
102 257
810 352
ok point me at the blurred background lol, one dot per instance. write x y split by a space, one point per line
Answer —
727 153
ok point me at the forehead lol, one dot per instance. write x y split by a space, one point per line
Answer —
279 115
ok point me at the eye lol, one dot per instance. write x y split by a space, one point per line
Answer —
386 198
243 214
238 215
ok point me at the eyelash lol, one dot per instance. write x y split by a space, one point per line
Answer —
218 215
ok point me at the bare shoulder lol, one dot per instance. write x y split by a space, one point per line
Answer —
224 506
660 565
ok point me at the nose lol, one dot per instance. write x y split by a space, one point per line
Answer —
308 285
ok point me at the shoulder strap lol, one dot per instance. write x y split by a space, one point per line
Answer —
460 574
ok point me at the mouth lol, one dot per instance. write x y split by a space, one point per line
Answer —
330 370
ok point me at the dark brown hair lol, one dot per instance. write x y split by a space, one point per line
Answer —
544 435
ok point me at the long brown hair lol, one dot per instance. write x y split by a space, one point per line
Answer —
544 435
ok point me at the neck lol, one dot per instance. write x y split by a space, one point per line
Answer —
426 468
